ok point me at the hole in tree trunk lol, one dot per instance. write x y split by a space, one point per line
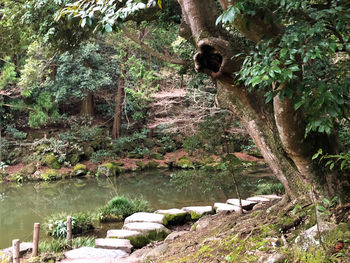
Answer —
209 58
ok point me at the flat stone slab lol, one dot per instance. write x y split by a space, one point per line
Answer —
122 234
114 243
272 197
259 199
145 227
98 253
222 207
175 216
145 217
198 211
149 232
247 205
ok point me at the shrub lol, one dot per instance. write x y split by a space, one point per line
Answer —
56 225
120 207
57 245
270 188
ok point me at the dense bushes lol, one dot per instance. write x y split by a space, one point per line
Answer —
56 225
120 207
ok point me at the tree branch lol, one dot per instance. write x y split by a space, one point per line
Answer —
154 53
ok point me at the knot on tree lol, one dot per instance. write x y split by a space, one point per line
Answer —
214 57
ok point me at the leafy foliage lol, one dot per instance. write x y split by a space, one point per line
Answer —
8 75
56 245
312 52
120 207
56 225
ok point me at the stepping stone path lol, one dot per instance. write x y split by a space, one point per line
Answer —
221 207
141 228
112 243
122 234
247 205
146 218
175 216
259 199
94 254
198 211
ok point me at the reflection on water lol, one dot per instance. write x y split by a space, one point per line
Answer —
21 206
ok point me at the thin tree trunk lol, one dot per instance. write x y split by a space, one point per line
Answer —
119 98
87 106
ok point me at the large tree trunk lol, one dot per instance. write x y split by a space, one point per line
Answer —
276 128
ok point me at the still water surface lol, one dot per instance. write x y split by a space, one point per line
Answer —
23 205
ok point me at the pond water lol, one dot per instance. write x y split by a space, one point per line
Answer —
23 205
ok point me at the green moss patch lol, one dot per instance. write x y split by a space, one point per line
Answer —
80 170
51 161
49 175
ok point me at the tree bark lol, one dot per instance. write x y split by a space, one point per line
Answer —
119 98
88 106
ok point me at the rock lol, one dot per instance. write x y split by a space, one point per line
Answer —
146 217
152 164
141 165
79 170
202 223
259 199
175 216
113 243
174 235
275 258
88 151
156 252
221 207
51 161
122 234
310 237
247 205
271 197
74 158
198 211
95 253
149 231
184 163
137 239
6 254
107 170
29 169
49 175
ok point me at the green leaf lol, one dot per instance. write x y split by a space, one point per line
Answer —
321 208
298 105
108 28
326 201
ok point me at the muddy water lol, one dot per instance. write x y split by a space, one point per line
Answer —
22 205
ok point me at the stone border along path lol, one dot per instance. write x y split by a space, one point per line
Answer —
142 228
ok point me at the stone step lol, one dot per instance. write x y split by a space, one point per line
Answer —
114 243
247 205
122 234
272 197
94 253
175 216
137 239
259 199
146 217
222 207
198 211
149 232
